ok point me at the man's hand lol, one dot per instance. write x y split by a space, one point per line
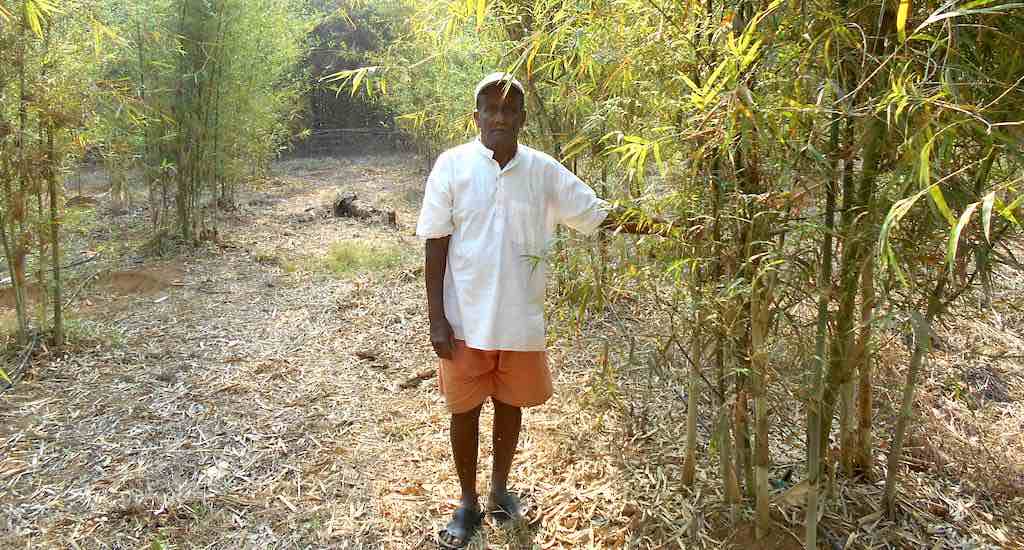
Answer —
442 338
436 261
621 219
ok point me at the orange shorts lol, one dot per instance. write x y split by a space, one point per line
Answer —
518 378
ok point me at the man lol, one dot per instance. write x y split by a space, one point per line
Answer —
489 209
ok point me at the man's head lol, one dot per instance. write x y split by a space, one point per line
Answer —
500 111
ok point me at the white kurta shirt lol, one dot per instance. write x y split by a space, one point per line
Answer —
501 222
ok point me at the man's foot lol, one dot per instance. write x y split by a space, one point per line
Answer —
461 528
505 507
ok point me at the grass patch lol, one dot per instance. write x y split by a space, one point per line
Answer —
412 196
274 259
83 334
360 255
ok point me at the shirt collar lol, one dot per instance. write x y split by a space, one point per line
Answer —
487 153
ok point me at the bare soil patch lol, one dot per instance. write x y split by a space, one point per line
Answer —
142 281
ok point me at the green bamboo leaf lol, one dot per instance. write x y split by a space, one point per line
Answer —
894 263
693 86
939 15
924 168
892 218
574 147
3 375
662 167
1007 211
940 201
641 162
976 4
901 19
954 236
986 214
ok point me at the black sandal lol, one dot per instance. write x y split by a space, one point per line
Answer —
460 529
506 508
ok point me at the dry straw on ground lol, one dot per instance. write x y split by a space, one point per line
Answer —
247 403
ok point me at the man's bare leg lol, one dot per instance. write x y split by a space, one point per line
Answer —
508 420
465 434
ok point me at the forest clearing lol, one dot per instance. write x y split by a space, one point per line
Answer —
245 395
773 251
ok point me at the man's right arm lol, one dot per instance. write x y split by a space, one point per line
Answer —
441 336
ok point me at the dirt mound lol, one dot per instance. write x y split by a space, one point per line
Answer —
120 283
143 281
7 296
81 201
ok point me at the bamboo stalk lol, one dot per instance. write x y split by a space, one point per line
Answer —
741 427
58 305
697 347
863 463
814 406
17 245
759 316
922 345
854 235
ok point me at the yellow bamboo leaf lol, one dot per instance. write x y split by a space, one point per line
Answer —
356 80
481 8
32 18
533 54
901 19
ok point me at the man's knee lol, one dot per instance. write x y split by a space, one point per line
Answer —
468 416
500 407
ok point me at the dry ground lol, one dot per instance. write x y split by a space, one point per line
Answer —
244 396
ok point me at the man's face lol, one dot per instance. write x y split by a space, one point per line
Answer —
499 117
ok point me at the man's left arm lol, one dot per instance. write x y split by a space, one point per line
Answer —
637 223
578 207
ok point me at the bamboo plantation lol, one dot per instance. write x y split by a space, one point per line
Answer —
845 185
841 174
195 96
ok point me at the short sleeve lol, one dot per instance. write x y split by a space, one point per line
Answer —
576 205
435 219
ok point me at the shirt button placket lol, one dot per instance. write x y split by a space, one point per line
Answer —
500 193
